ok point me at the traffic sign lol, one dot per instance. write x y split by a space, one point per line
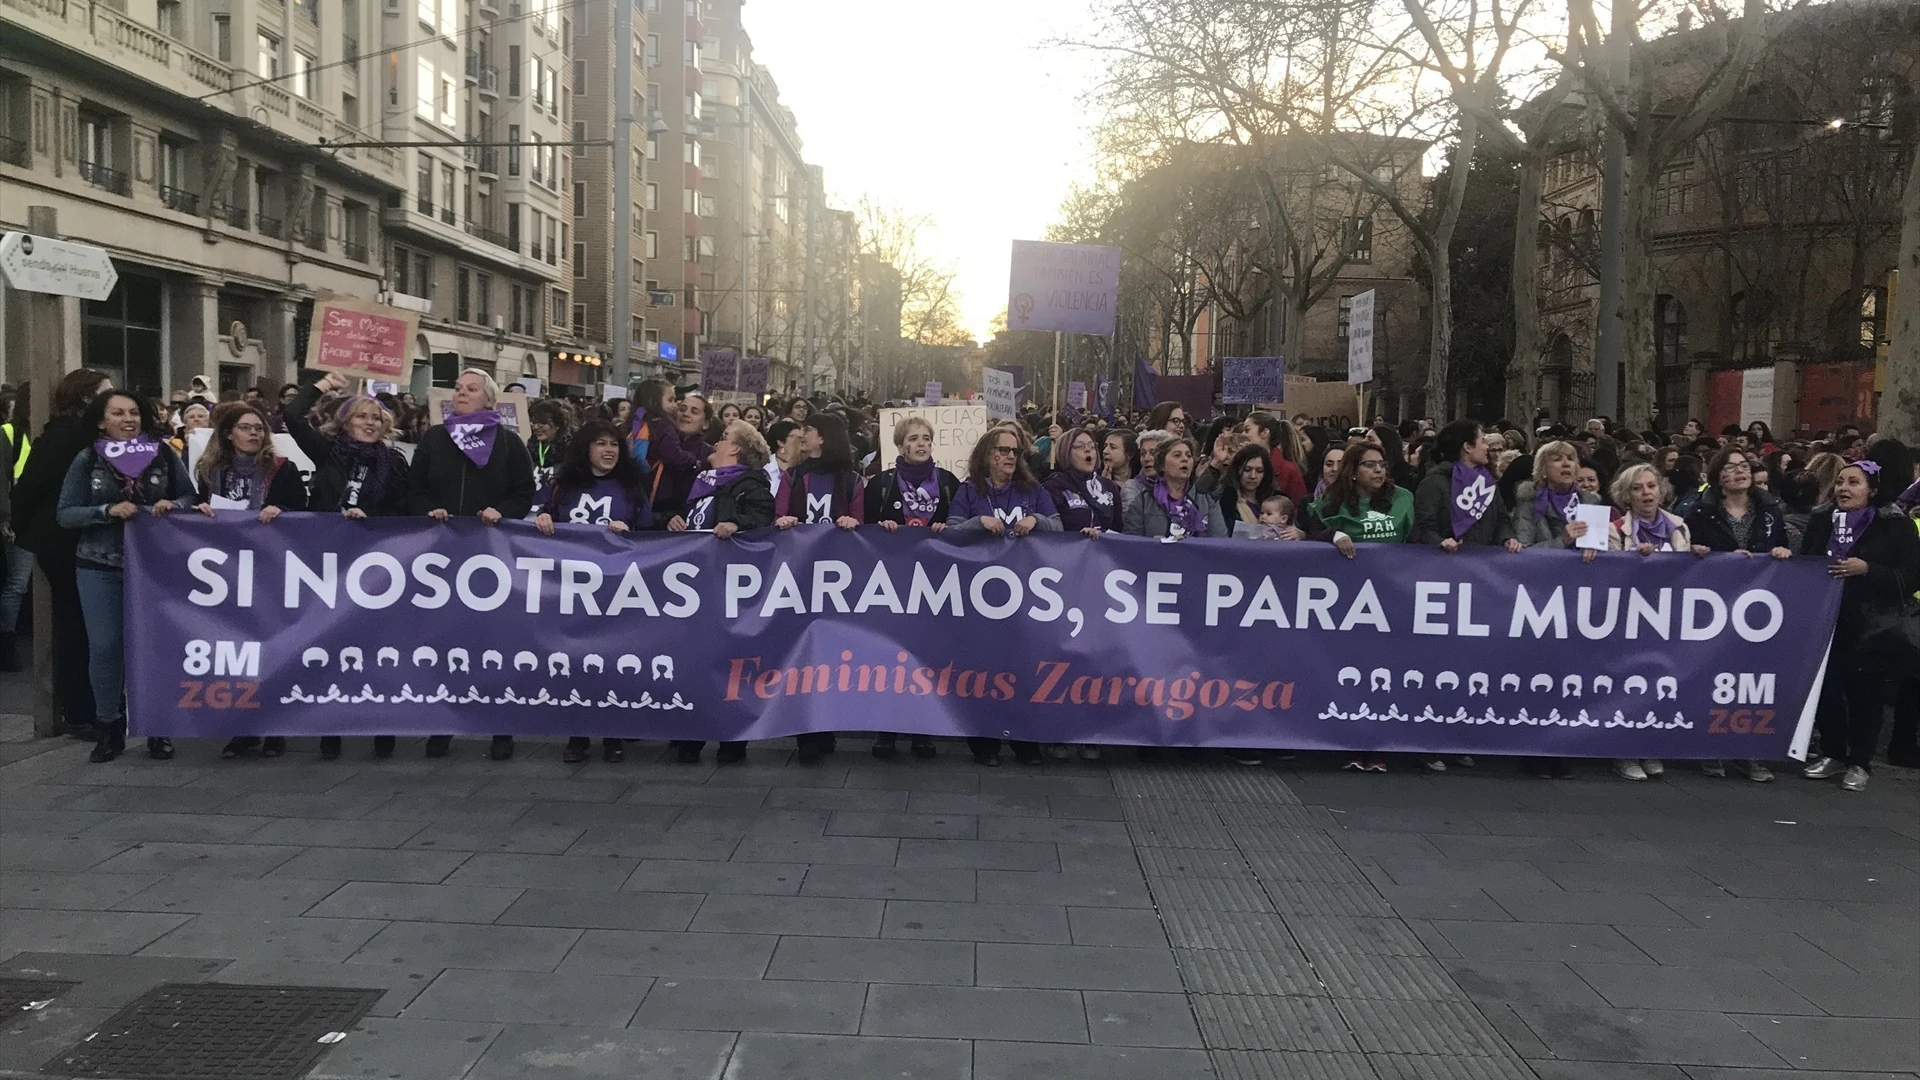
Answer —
44 265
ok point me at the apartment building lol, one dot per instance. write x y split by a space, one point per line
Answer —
238 158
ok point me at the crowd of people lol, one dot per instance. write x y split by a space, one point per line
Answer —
668 459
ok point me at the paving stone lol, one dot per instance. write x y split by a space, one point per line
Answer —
1038 830
1288 1065
851 800
1385 978
947 963
921 801
1171 811
29 1039
978 855
938 921
1337 898
771 1056
889 883
1191 929
1871 993
640 952
1028 1061
1673 1038
242 937
105 981
678 1003
1209 894
815 916
1317 867
1448 903
1412 1067
1195 862
428 806
600 910
1434 1028
1225 784
975 1013
210 860
1116 926
1718 989
362 833
1088 807
1629 877
655 793
1131 1018
530 997
919 826
71 891
1469 873
1076 967
399 985
1278 973
1120 890
1523 982
1253 838
1231 1022
1694 947
1559 906
380 1048
1836 1042
625 815
178 828
585 1053
1541 941
1098 859
358 864
845 850
751 879
1187 837
516 871
503 948
232 896
1322 934
520 839
431 903
1756 913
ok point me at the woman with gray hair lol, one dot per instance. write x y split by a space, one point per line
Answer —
472 466
1543 507
1149 442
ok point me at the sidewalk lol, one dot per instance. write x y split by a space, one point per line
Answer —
940 921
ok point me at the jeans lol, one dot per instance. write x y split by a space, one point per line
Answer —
1852 704
103 598
19 571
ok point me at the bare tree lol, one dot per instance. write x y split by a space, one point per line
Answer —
1900 399
929 306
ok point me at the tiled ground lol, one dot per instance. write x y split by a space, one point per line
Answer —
938 921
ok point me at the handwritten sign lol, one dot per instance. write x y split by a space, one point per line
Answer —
365 338
1002 396
1076 395
933 392
1360 339
1071 288
956 428
1251 380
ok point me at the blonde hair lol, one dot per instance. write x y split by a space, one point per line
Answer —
487 385
751 446
1622 489
901 429
343 411
1551 452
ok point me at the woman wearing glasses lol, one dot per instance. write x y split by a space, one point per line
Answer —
1000 497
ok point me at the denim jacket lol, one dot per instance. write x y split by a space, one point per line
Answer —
92 486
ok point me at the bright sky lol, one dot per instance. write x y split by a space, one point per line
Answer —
956 110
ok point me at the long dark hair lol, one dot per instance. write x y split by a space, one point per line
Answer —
1230 481
977 463
96 412
836 452
1345 493
576 470
1157 420
1452 440
651 395
220 451
75 391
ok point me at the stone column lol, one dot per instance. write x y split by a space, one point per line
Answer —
1697 371
280 364
1553 390
1786 393
195 346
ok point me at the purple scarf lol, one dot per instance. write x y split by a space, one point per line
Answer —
1548 501
1658 532
1847 527
475 433
700 498
240 480
919 489
1911 496
1469 496
129 457
1183 514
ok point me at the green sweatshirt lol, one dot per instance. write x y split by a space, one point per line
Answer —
1367 525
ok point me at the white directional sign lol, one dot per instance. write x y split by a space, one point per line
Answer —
61 267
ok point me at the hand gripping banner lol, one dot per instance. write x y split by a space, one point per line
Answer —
318 625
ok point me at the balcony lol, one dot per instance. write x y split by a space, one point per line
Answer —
490 82
314 239
13 151
356 252
498 240
447 215
102 177
270 226
231 213
482 74
180 199
490 162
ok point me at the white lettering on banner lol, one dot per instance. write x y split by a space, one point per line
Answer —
1476 497
819 507
592 511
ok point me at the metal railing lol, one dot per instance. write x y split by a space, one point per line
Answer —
356 252
424 204
481 232
270 226
231 213
101 176
13 151
447 215
179 199
314 238
489 161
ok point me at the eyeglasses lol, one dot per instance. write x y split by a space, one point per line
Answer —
1006 449
250 429
1371 463
1736 466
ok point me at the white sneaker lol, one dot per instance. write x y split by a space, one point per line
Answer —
1653 767
1435 765
1629 770
1855 780
1757 772
1713 768
1824 767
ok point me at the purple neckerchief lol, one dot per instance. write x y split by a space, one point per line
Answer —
474 433
1319 489
1658 532
1183 513
1847 527
129 457
1546 500
1469 496
1910 497
919 488
712 480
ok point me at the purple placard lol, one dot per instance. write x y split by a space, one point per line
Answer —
302 627
1252 380
1072 288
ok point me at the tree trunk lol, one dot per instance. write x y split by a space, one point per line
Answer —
1523 375
1637 359
1900 398
1439 337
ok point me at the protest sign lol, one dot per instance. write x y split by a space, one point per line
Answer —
1360 339
1076 395
1072 288
1251 380
362 337
955 429
1000 393
317 625
932 396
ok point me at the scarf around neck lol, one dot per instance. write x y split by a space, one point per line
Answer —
1848 525
1470 493
128 457
475 433
1548 501
700 496
241 481
1182 514
1658 532
919 488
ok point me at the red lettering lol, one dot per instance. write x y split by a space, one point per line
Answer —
190 695
1051 672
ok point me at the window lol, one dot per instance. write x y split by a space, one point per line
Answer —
693 105
483 299
1346 316
560 309
650 245
223 38
553 166
690 52
653 50
706 247
579 76
691 152
653 147
538 158
425 10
689 200
305 83
551 77
513 71
449 193
449 18
579 260
1359 239
652 201
513 226
579 133
269 48
708 206
166 18
350 109
579 319
426 83
513 149
1669 331
1873 318
688 252
1674 194
464 294
423 185
579 199
173 165
639 270
449 100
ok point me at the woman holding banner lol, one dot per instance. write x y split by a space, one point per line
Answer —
1001 498
472 465
357 474
915 493
731 496
1457 504
1172 508
1875 552
825 486
129 468
1641 522
1250 483
1088 503
1543 515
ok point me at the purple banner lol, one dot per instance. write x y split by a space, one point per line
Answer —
318 625
721 370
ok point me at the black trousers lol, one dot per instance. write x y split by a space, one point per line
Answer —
72 688
984 747
1852 706
1906 719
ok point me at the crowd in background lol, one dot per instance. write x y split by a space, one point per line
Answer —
669 458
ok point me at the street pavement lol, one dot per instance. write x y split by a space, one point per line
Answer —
934 920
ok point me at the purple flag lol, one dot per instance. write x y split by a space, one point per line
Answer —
1144 379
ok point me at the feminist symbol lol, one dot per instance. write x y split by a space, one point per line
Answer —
1023 307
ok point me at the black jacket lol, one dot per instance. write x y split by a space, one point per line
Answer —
1890 546
285 490
330 475
1708 524
36 495
883 497
747 502
1433 514
443 478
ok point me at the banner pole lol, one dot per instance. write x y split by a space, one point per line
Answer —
1059 342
